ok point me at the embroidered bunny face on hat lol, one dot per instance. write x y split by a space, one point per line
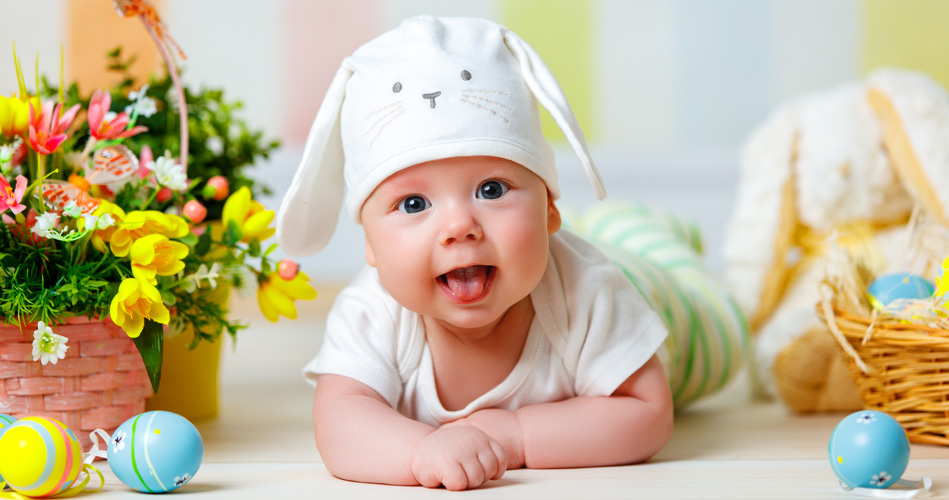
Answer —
433 88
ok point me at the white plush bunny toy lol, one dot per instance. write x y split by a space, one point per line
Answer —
853 161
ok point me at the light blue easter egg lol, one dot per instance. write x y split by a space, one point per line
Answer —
868 449
156 452
5 422
890 287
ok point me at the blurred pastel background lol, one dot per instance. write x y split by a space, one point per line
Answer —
665 90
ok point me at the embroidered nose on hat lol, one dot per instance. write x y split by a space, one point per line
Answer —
431 96
479 85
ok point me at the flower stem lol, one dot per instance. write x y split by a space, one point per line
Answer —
88 149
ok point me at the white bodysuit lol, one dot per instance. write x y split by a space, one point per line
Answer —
591 331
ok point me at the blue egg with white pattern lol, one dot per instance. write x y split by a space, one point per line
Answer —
156 452
889 287
5 422
868 449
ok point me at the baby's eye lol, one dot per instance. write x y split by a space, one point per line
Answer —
492 190
413 204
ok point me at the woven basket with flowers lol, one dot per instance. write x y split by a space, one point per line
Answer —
104 246
894 332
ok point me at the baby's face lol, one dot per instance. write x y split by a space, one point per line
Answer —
460 240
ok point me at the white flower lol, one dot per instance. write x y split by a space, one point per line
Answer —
45 224
245 281
168 172
72 210
193 281
90 221
105 220
182 479
215 144
118 441
880 479
47 346
6 153
146 107
134 96
865 418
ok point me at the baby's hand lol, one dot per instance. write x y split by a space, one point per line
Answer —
458 457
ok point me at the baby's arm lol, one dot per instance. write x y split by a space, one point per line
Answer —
361 438
630 426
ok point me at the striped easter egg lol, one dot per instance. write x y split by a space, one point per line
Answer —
39 456
156 451
5 422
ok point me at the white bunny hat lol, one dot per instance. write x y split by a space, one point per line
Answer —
433 88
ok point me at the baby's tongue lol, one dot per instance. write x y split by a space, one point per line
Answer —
467 283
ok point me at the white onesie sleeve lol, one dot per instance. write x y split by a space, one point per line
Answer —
360 340
610 331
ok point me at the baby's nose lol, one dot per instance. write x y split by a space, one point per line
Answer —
431 96
460 226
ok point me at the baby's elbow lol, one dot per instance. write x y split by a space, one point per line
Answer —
663 424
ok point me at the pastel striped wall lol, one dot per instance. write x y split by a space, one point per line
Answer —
640 74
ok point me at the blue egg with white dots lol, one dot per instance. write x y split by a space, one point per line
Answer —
5 422
868 449
889 287
156 452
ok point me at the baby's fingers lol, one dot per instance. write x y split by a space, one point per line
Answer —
456 477
499 458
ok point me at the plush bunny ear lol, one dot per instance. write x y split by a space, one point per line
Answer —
309 211
542 83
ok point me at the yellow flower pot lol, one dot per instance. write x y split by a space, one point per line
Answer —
189 377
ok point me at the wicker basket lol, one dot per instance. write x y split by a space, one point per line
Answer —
899 368
98 385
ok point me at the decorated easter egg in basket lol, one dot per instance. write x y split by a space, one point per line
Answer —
156 452
39 456
893 286
868 449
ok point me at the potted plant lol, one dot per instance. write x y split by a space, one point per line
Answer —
105 238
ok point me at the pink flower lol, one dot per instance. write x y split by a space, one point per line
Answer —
144 158
10 198
102 126
48 128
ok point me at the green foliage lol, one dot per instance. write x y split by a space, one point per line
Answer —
219 141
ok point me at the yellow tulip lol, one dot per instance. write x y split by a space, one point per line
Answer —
156 254
102 236
276 296
253 219
136 301
15 115
140 223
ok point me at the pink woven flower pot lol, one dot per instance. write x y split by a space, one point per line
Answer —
98 385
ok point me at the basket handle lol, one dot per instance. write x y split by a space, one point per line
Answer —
828 311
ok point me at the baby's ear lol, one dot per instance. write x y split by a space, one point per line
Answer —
554 220
370 257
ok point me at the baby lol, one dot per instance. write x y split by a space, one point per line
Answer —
481 337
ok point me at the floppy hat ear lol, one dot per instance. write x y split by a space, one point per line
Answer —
308 214
542 83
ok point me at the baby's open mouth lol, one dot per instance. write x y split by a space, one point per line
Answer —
467 283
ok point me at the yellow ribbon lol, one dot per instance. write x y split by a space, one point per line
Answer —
73 491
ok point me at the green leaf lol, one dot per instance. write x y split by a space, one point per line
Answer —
204 243
189 239
233 233
149 345
254 248
270 249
